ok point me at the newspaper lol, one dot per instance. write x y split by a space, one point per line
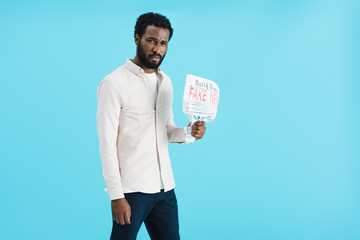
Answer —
201 99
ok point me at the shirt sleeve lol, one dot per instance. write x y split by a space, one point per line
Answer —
108 113
175 134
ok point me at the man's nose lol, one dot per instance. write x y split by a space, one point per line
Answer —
157 48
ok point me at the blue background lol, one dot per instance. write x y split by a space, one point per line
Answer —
281 161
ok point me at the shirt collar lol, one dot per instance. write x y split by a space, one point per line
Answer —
138 70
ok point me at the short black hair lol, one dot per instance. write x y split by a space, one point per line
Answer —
152 19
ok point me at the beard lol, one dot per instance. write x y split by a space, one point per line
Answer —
146 59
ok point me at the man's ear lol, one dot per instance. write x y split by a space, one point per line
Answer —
137 39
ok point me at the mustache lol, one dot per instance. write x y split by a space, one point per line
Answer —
155 55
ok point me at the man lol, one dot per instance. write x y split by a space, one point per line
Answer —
135 124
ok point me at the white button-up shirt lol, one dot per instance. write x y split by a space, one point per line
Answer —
134 131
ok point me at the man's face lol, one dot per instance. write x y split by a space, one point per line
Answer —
152 46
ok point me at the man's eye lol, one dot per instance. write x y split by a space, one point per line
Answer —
164 43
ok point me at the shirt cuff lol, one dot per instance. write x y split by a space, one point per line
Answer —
115 195
188 137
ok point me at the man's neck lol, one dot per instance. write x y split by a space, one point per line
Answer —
137 61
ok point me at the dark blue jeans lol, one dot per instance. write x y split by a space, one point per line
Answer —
159 211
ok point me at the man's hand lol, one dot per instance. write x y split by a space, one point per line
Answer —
198 129
121 211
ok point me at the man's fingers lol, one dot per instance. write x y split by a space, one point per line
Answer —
199 123
198 131
121 211
198 135
202 128
122 220
117 219
127 219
